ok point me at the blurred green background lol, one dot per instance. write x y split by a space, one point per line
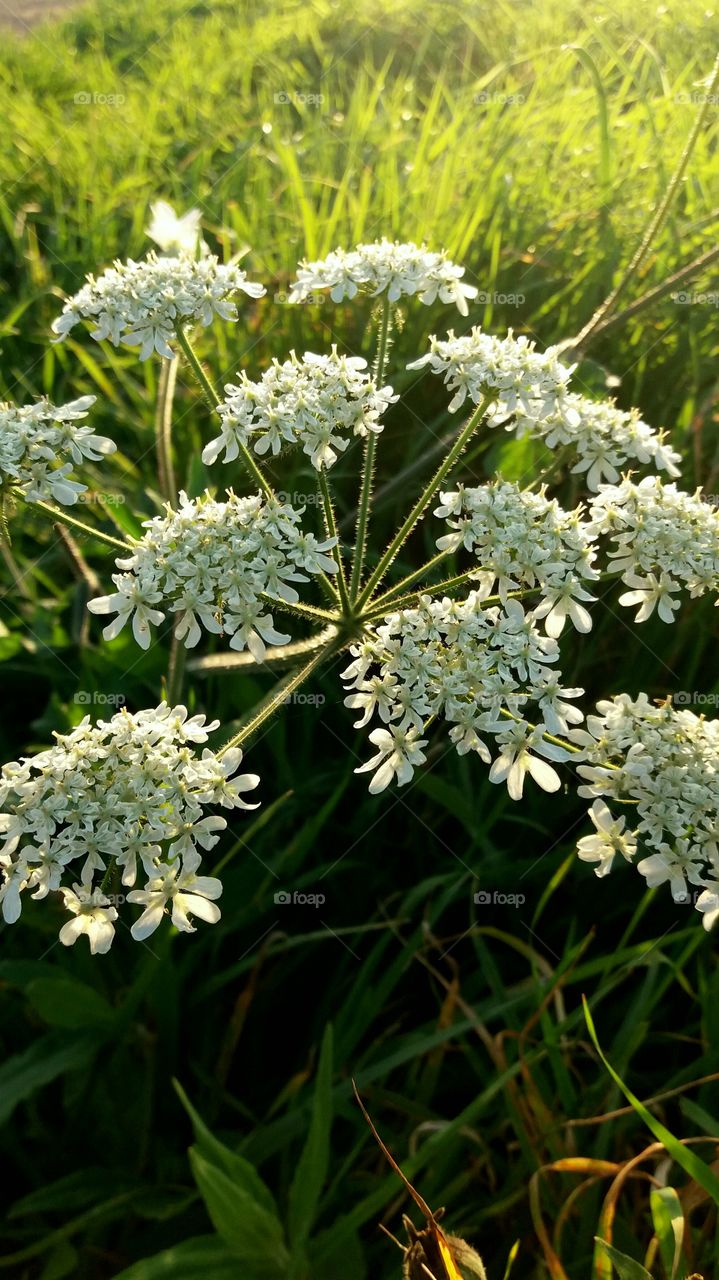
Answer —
530 140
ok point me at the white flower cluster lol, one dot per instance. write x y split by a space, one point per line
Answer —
662 766
39 444
664 539
521 540
476 667
477 364
212 562
317 401
603 437
128 793
144 303
402 270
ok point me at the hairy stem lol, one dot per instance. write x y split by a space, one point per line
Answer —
278 655
63 518
424 499
365 500
213 400
331 527
281 692
175 669
300 609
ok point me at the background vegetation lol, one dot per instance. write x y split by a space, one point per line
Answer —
530 140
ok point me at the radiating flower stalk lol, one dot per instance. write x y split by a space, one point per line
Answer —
468 642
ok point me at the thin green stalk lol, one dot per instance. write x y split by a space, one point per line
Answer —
281 692
414 577
61 517
331 526
278 655
656 222
213 400
163 429
301 610
424 500
175 669
365 501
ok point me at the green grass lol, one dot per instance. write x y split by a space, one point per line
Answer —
463 1025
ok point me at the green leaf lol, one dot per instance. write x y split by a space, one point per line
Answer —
65 1002
240 1172
45 1060
625 1267
311 1170
254 1236
691 1163
199 1256
347 1261
668 1221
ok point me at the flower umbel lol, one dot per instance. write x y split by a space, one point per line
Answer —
39 443
400 270
122 798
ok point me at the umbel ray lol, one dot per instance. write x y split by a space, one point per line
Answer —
429 1253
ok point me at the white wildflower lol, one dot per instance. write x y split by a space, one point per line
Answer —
174 234
609 839
129 793
39 443
518 378
318 402
212 564
397 269
143 304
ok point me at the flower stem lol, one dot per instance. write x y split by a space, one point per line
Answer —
331 526
175 669
213 400
281 692
278 655
412 577
62 518
365 501
424 500
300 609
163 429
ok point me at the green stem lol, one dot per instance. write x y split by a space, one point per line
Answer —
424 500
163 429
331 526
656 222
300 610
278 655
281 692
63 518
365 501
213 400
413 577
175 669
